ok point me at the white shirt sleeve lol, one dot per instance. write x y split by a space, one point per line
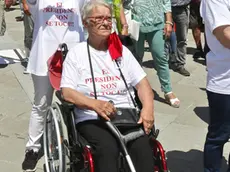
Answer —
215 13
69 71
135 71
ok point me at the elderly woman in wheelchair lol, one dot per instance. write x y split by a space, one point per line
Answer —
98 78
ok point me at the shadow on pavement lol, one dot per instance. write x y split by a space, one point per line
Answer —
191 161
202 113
3 65
158 98
203 89
149 64
191 50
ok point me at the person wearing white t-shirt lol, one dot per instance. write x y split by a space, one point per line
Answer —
216 16
55 22
77 88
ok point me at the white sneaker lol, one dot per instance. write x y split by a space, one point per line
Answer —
25 71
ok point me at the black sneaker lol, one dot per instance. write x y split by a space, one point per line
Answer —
30 161
199 54
183 71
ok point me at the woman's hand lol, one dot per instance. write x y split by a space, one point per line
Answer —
104 109
147 119
167 30
125 30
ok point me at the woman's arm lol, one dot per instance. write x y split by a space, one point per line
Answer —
145 93
124 24
102 108
25 8
168 18
146 96
77 98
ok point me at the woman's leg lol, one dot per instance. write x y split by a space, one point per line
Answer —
140 48
42 100
141 154
105 147
156 44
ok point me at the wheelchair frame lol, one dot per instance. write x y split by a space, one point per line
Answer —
66 151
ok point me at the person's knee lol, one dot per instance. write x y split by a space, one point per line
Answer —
108 149
142 146
218 136
41 103
142 154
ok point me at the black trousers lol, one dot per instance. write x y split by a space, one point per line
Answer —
106 149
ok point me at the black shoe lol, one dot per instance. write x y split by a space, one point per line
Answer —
183 71
30 161
199 54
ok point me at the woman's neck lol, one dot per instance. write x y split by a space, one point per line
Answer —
98 44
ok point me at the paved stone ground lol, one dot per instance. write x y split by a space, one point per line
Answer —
182 131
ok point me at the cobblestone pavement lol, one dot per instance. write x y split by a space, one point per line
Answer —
182 131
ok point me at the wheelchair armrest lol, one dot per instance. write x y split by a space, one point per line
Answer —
64 103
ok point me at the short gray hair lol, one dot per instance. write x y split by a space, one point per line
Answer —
89 6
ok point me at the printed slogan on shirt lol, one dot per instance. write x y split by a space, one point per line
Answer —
61 17
108 85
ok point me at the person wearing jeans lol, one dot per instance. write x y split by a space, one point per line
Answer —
155 30
216 16
28 30
180 14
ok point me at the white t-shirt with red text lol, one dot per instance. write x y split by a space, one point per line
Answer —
216 13
55 22
109 84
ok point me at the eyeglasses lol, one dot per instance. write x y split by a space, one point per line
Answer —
101 19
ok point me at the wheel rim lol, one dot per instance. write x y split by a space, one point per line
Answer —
53 148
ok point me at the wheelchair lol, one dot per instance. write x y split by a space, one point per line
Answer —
65 150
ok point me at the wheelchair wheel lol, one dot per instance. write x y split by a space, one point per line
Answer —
87 160
54 139
159 156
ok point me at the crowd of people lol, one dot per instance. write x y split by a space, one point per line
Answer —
90 28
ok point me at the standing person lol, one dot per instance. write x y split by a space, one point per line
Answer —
216 16
196 24
120 23
55 22
28 30
2 19
180 14
155 29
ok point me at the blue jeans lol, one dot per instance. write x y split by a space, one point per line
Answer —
218 131
173 42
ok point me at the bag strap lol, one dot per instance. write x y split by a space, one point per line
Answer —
126 85
91 70
122 76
